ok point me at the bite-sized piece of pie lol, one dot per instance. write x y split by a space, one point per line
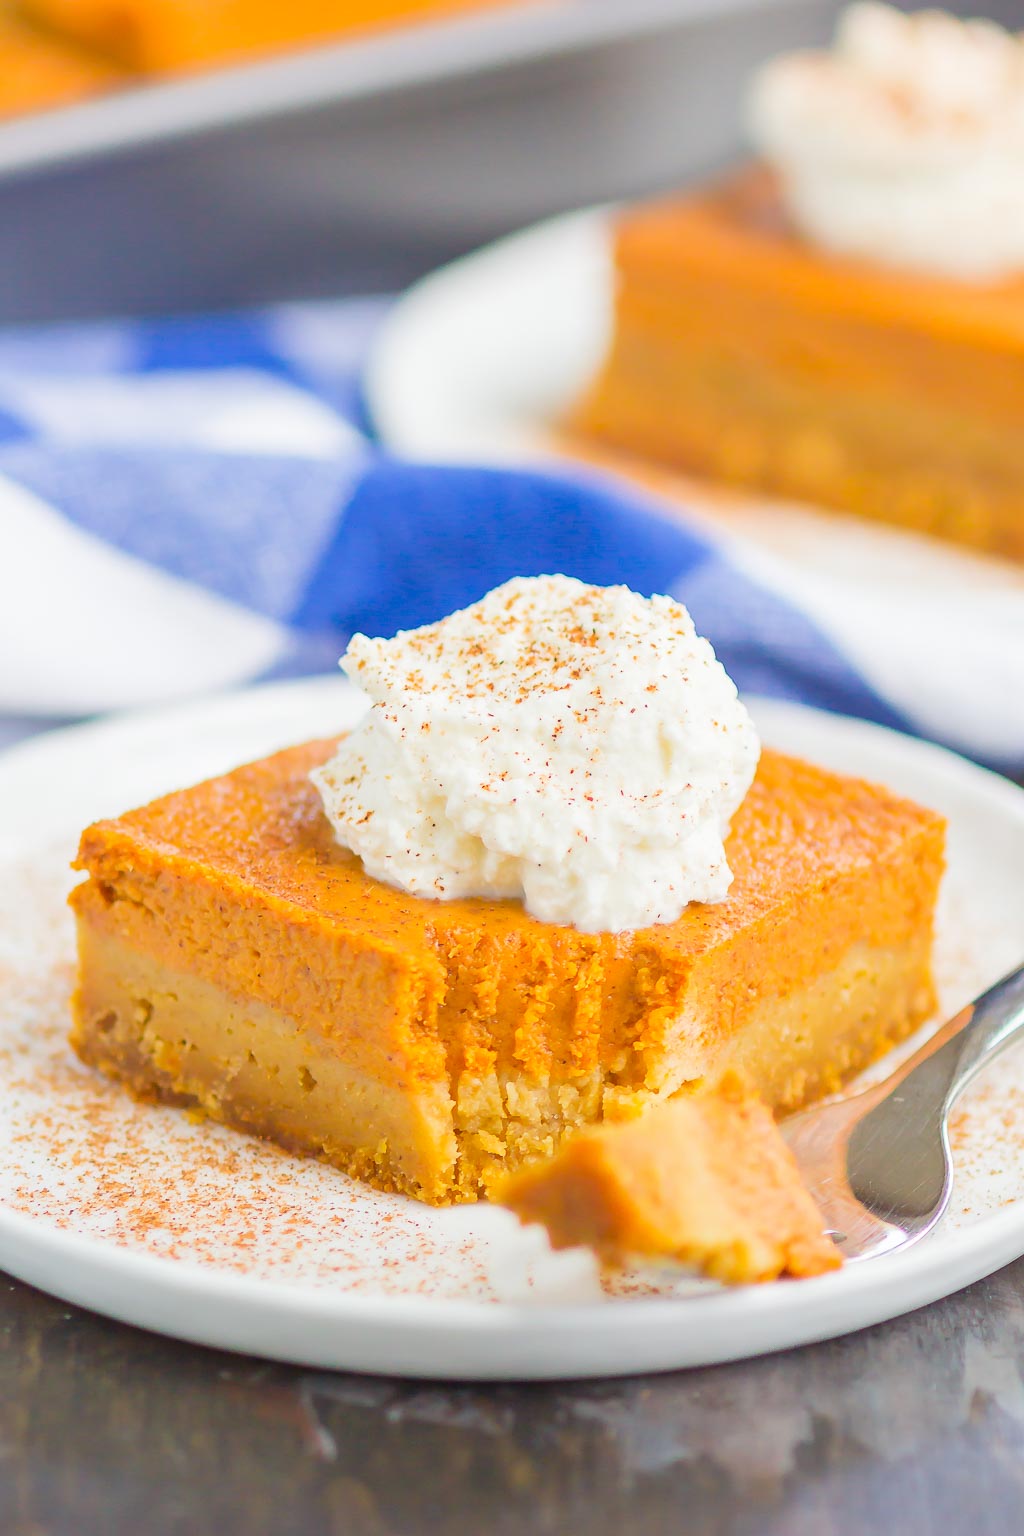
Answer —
158 35
847 326
235 958
704 1179
37 71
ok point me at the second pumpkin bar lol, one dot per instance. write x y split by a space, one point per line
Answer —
743 353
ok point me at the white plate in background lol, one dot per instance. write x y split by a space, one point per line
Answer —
207 1235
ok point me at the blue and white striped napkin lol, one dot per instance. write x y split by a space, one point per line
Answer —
190 504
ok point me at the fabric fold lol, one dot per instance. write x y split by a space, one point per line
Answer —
188 505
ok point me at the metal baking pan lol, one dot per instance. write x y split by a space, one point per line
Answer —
360 165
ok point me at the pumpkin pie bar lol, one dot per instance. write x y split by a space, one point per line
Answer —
744 353
234 958
704 1180
37 71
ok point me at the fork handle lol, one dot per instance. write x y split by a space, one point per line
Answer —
995 1020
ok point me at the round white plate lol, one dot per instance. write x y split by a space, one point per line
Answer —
195 1231
478 363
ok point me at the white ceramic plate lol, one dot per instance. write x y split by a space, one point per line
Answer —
480 359
206 1235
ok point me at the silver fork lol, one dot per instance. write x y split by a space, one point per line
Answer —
878 1162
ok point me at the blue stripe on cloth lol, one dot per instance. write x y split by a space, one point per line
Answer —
230 340
248 528
419 540
12 428
322 347
769 647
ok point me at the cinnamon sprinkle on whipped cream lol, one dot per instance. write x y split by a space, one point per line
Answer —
904 144
577 747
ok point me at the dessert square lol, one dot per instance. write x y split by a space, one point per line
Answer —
235 959
744 353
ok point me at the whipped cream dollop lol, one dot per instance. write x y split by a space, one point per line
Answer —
579 747
905 143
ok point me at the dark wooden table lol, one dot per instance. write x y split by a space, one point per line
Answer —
910 1429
